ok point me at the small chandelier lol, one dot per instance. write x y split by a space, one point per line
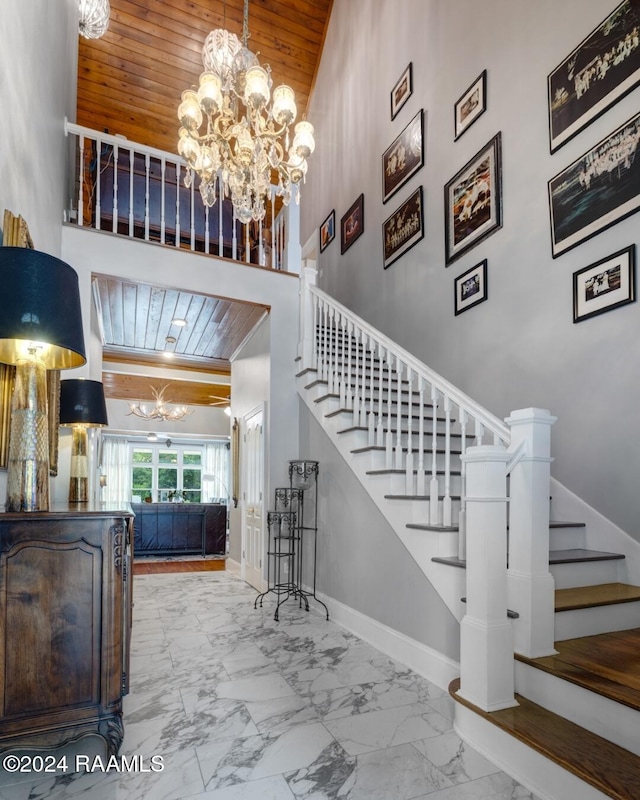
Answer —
94 18
245 138
163 410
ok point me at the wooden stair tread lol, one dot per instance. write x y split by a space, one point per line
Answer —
377 448
609 768
562 524
424 526
578 555
454 472
602 594
607 664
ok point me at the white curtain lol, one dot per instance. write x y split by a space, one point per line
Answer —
215 473
116 465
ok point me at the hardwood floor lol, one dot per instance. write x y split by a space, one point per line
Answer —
193 565
609 768
608 664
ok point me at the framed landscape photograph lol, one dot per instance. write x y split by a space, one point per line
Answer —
470 288
402 91
597 190
601 70
470 106
352 225
328 231
404 157
605 285
473 201
403 228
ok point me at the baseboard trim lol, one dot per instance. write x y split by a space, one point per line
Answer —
427 662
233 567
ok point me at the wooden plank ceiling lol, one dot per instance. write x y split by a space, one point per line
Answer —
138 327
130 82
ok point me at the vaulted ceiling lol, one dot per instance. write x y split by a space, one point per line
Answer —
129 83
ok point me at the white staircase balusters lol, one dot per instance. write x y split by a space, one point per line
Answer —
446 503
462 513
434 511
409 490
147 160
98 195
114 216
380 441
331 341
389 433
163 171
369 394
398 448
80 210
356 389
131 197
420 475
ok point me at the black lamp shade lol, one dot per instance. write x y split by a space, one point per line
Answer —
82 403
41 303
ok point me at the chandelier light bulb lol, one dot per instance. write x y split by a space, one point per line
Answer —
256 90
303 142
210 93
284 105
189 112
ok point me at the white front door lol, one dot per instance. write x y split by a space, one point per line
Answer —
253 505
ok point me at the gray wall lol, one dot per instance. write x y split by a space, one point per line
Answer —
38 62
520 348
361 562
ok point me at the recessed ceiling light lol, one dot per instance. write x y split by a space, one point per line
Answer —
179 322
170 339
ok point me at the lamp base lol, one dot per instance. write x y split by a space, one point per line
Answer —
28 466
78 480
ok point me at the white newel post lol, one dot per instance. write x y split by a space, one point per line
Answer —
530 584
292 253
308 277
486 634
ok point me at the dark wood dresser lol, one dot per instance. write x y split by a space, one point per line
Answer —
65 624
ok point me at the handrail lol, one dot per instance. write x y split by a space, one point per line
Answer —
462 400
137 191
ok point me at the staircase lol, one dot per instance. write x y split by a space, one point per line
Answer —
425 452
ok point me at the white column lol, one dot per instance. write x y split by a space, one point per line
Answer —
308 277
530 584
486 635
292 254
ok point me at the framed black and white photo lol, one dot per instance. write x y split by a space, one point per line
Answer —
470 106
473 201
404 157
402 91
470 288
328 231
605 285
403 228
352 225
601 70
597 190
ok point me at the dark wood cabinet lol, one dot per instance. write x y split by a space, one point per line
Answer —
65 623
180 528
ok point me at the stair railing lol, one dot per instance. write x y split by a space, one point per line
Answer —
379 383
138 191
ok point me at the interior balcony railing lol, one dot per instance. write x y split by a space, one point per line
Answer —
137 191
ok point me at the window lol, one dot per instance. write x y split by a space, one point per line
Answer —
166 475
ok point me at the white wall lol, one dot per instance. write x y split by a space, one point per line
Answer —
38 62
520 348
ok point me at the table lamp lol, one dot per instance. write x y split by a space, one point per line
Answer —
82 406
40 329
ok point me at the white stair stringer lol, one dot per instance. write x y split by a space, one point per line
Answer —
422 545
614 721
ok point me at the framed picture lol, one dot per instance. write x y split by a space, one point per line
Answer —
605 285
404 157
352 224
328 231
597 190
473 201
403 228
402 91
470 288
470 106
601 70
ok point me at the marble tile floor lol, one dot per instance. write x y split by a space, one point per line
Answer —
241 707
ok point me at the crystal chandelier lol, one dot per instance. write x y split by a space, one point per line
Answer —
163 410
246 129
94 18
